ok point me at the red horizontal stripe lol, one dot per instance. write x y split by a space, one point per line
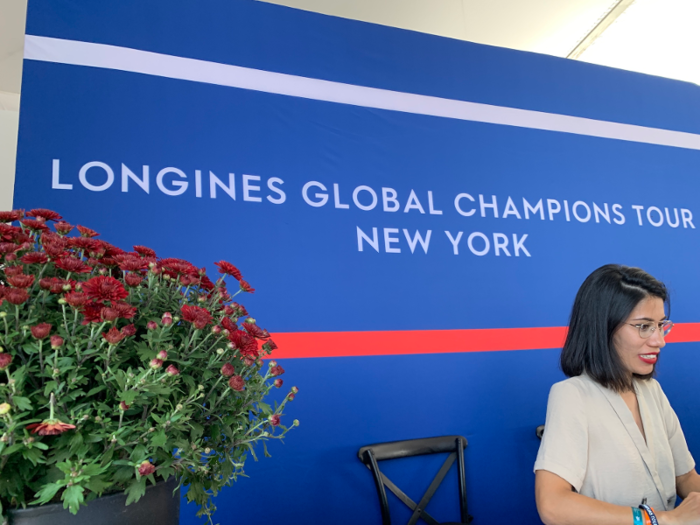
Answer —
344 344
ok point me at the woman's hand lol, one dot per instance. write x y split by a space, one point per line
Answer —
687 513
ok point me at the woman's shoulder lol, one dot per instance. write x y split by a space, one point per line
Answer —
577 387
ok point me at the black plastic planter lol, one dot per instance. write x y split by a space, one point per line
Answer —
157 507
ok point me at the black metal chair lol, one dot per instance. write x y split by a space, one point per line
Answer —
453 445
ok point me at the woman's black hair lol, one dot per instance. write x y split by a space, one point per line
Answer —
604 301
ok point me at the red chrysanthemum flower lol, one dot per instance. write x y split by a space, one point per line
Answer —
146 468
34 225
256 331
188 280
113 336
246 287
196 315
129 330
8 247
144 251
86 244
130 263
86 232
236 383
176 267
92 313
229 269
34 258
63 227
132 279
9 216
109 314
11 271
55 250
75 299
275 420
103 288
49 427
41 213
227 370
124 310
41 331
172 370
72 265
269 346
229 325
16 296
206 283
21 280
53 284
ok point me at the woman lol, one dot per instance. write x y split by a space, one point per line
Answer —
611 438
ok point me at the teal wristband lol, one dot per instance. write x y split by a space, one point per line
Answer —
638 518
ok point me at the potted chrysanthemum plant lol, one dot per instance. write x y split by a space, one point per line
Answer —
120 367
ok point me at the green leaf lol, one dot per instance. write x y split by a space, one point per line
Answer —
128 396
72 498
96 390
34 455
135 490
46 493
159 439
22 403
98 485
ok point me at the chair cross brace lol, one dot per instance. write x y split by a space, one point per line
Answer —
419 511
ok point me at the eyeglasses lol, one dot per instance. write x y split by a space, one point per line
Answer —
646 329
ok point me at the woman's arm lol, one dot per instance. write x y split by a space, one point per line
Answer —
688 483
558 504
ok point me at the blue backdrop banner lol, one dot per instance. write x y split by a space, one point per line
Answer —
374 181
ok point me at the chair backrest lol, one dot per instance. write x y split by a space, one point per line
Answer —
453 445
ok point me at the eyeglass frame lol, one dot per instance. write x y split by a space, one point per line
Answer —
664 332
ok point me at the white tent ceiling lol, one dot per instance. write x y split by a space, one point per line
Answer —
658 37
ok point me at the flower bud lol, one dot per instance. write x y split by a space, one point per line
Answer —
294 390
291 396
167 319
236 383
146 468
207 450
56 341
230 345
172 370
248 361
275 420
4 408
178 407
250 320
295 423
123 406
162 355
201 299
227 370
155 364
220 351
151 325
66 287
152 429
5 360
98 419
200 387
272 363
166 277
278 382
277 370
216 329
56 372
61 301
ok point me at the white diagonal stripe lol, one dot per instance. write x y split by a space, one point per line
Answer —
133 60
